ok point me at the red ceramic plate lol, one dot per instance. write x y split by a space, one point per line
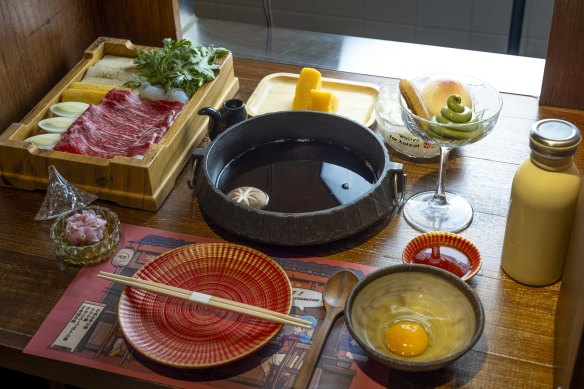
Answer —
465 266
183 334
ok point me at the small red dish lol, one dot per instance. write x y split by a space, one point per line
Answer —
182 334
448 251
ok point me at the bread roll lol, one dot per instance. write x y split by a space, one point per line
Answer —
413 99
436 93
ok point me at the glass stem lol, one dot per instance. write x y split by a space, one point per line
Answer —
435 257
439 198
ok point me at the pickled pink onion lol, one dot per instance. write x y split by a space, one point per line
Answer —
85 228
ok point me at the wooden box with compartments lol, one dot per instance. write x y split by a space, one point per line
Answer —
143 182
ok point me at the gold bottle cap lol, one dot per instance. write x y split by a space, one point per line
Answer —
553 142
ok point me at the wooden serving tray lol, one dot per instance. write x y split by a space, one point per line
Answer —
137 183
275 92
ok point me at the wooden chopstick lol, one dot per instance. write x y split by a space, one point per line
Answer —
217 302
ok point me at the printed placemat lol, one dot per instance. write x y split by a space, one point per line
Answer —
83 326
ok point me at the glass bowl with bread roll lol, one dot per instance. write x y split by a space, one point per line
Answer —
447 110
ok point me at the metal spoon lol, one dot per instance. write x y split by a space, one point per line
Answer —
335 294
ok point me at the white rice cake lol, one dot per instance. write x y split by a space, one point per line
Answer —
111 73
102 81
115 62
112 70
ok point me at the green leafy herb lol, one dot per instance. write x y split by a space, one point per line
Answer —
177 65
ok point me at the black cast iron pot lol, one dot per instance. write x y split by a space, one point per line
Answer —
259 135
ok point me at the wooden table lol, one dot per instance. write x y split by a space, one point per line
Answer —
516 349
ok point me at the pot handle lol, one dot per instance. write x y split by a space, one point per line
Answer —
398 188
398 182
197 156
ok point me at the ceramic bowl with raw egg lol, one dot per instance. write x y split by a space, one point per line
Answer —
446 250
414 318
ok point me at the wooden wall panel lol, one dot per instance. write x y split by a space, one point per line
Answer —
144 22
41 41
563 80
569 323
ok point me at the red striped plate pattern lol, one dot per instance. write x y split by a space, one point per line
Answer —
182 334
449 239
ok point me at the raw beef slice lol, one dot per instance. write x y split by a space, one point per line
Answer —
121 125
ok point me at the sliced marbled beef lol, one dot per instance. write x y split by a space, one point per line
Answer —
121 124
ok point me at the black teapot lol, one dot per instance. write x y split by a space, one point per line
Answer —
232 112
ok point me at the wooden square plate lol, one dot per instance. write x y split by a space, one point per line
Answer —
276 92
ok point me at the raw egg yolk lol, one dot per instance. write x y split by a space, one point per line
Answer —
406 338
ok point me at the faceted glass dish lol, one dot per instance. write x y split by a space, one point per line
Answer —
92 253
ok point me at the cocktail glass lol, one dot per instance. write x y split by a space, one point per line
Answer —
440 210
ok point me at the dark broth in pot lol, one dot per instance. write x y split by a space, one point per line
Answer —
300 175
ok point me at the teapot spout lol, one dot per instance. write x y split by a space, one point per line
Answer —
214 121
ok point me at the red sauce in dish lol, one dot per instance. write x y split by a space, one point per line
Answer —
446 258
